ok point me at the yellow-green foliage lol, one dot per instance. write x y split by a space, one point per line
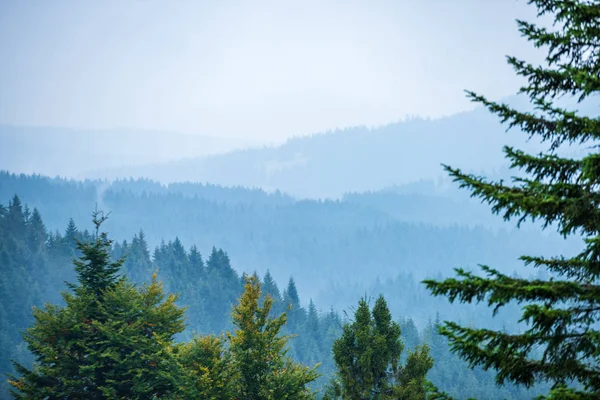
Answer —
206 369
250 363
113 339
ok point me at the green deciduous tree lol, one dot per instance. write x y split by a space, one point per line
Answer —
367 356
561 313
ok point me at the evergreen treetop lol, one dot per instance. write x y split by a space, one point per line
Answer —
110 340
263 369
560 313
96 273
367 356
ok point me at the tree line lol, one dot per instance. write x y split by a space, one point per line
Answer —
36 263
112 338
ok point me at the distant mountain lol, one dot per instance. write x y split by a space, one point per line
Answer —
75 152
351 160
324 165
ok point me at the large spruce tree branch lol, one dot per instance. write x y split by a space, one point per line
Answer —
498 289
571 206
581 267
584 267
491 349
561 342
544 166
572 42
559 127
564 80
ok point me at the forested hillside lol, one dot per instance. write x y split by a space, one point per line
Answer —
323 244
36 263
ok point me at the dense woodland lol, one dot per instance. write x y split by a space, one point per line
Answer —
324 245
37 263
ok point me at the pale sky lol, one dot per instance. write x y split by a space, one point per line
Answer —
264 70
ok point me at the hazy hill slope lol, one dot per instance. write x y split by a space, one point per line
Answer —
438 207
74 152
357 159
360 159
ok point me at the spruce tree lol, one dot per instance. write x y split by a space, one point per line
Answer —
367 356
138 263
296 313
269 287
36 232
71 231
561 313
110 340
196 264
312 321
261 367
15 219
95 271
291 293
206 369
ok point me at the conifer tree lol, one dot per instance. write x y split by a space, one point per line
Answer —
295 312
261 367
312 321
143 245
218 263
270 287
26 214
561 313
71 231
220 289
196 263
95 271
367 356
179 254
291 293
138 264
15 219
206 369
110 340
36 232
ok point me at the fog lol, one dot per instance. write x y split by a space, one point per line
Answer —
261 70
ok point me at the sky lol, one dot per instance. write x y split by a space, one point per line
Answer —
261 70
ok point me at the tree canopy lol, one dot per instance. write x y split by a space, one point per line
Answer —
367 356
